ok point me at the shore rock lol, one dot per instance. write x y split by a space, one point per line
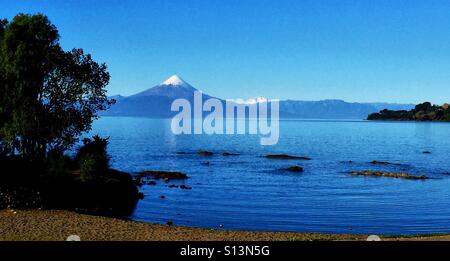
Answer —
387 174
284 156
163 174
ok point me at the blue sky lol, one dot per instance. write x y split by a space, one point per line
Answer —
390 51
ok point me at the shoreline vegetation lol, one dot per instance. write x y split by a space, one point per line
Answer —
49 99
422 112
57 225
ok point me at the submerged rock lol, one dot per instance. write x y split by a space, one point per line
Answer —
184 187
376 162
387 174
347 161
295 169
167 175
284 156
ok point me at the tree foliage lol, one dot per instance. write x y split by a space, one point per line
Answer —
426 107
48 96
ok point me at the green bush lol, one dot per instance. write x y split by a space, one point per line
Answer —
93 158
59 165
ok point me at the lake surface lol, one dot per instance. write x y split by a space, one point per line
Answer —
252 193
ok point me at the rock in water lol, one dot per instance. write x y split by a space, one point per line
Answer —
184 187
376 162
387 174
230 154
284 156
156 174
205 153
295 169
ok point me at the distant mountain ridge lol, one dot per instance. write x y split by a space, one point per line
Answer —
156 103
333 109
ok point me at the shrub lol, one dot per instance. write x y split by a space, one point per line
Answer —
59 165
93 158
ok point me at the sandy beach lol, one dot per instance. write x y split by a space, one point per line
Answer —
57 225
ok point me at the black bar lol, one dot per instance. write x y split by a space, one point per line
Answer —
241 250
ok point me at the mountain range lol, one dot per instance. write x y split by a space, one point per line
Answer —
156 103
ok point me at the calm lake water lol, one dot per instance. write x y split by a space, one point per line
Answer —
252 193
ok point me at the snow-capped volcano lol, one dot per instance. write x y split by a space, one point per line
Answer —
174 80
173 87
155 101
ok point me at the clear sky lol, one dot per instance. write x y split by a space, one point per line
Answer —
377 50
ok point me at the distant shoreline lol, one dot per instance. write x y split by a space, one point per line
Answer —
424 112
57 225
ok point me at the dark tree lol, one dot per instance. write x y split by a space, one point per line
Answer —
49 96
426 107
447 114
3 114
